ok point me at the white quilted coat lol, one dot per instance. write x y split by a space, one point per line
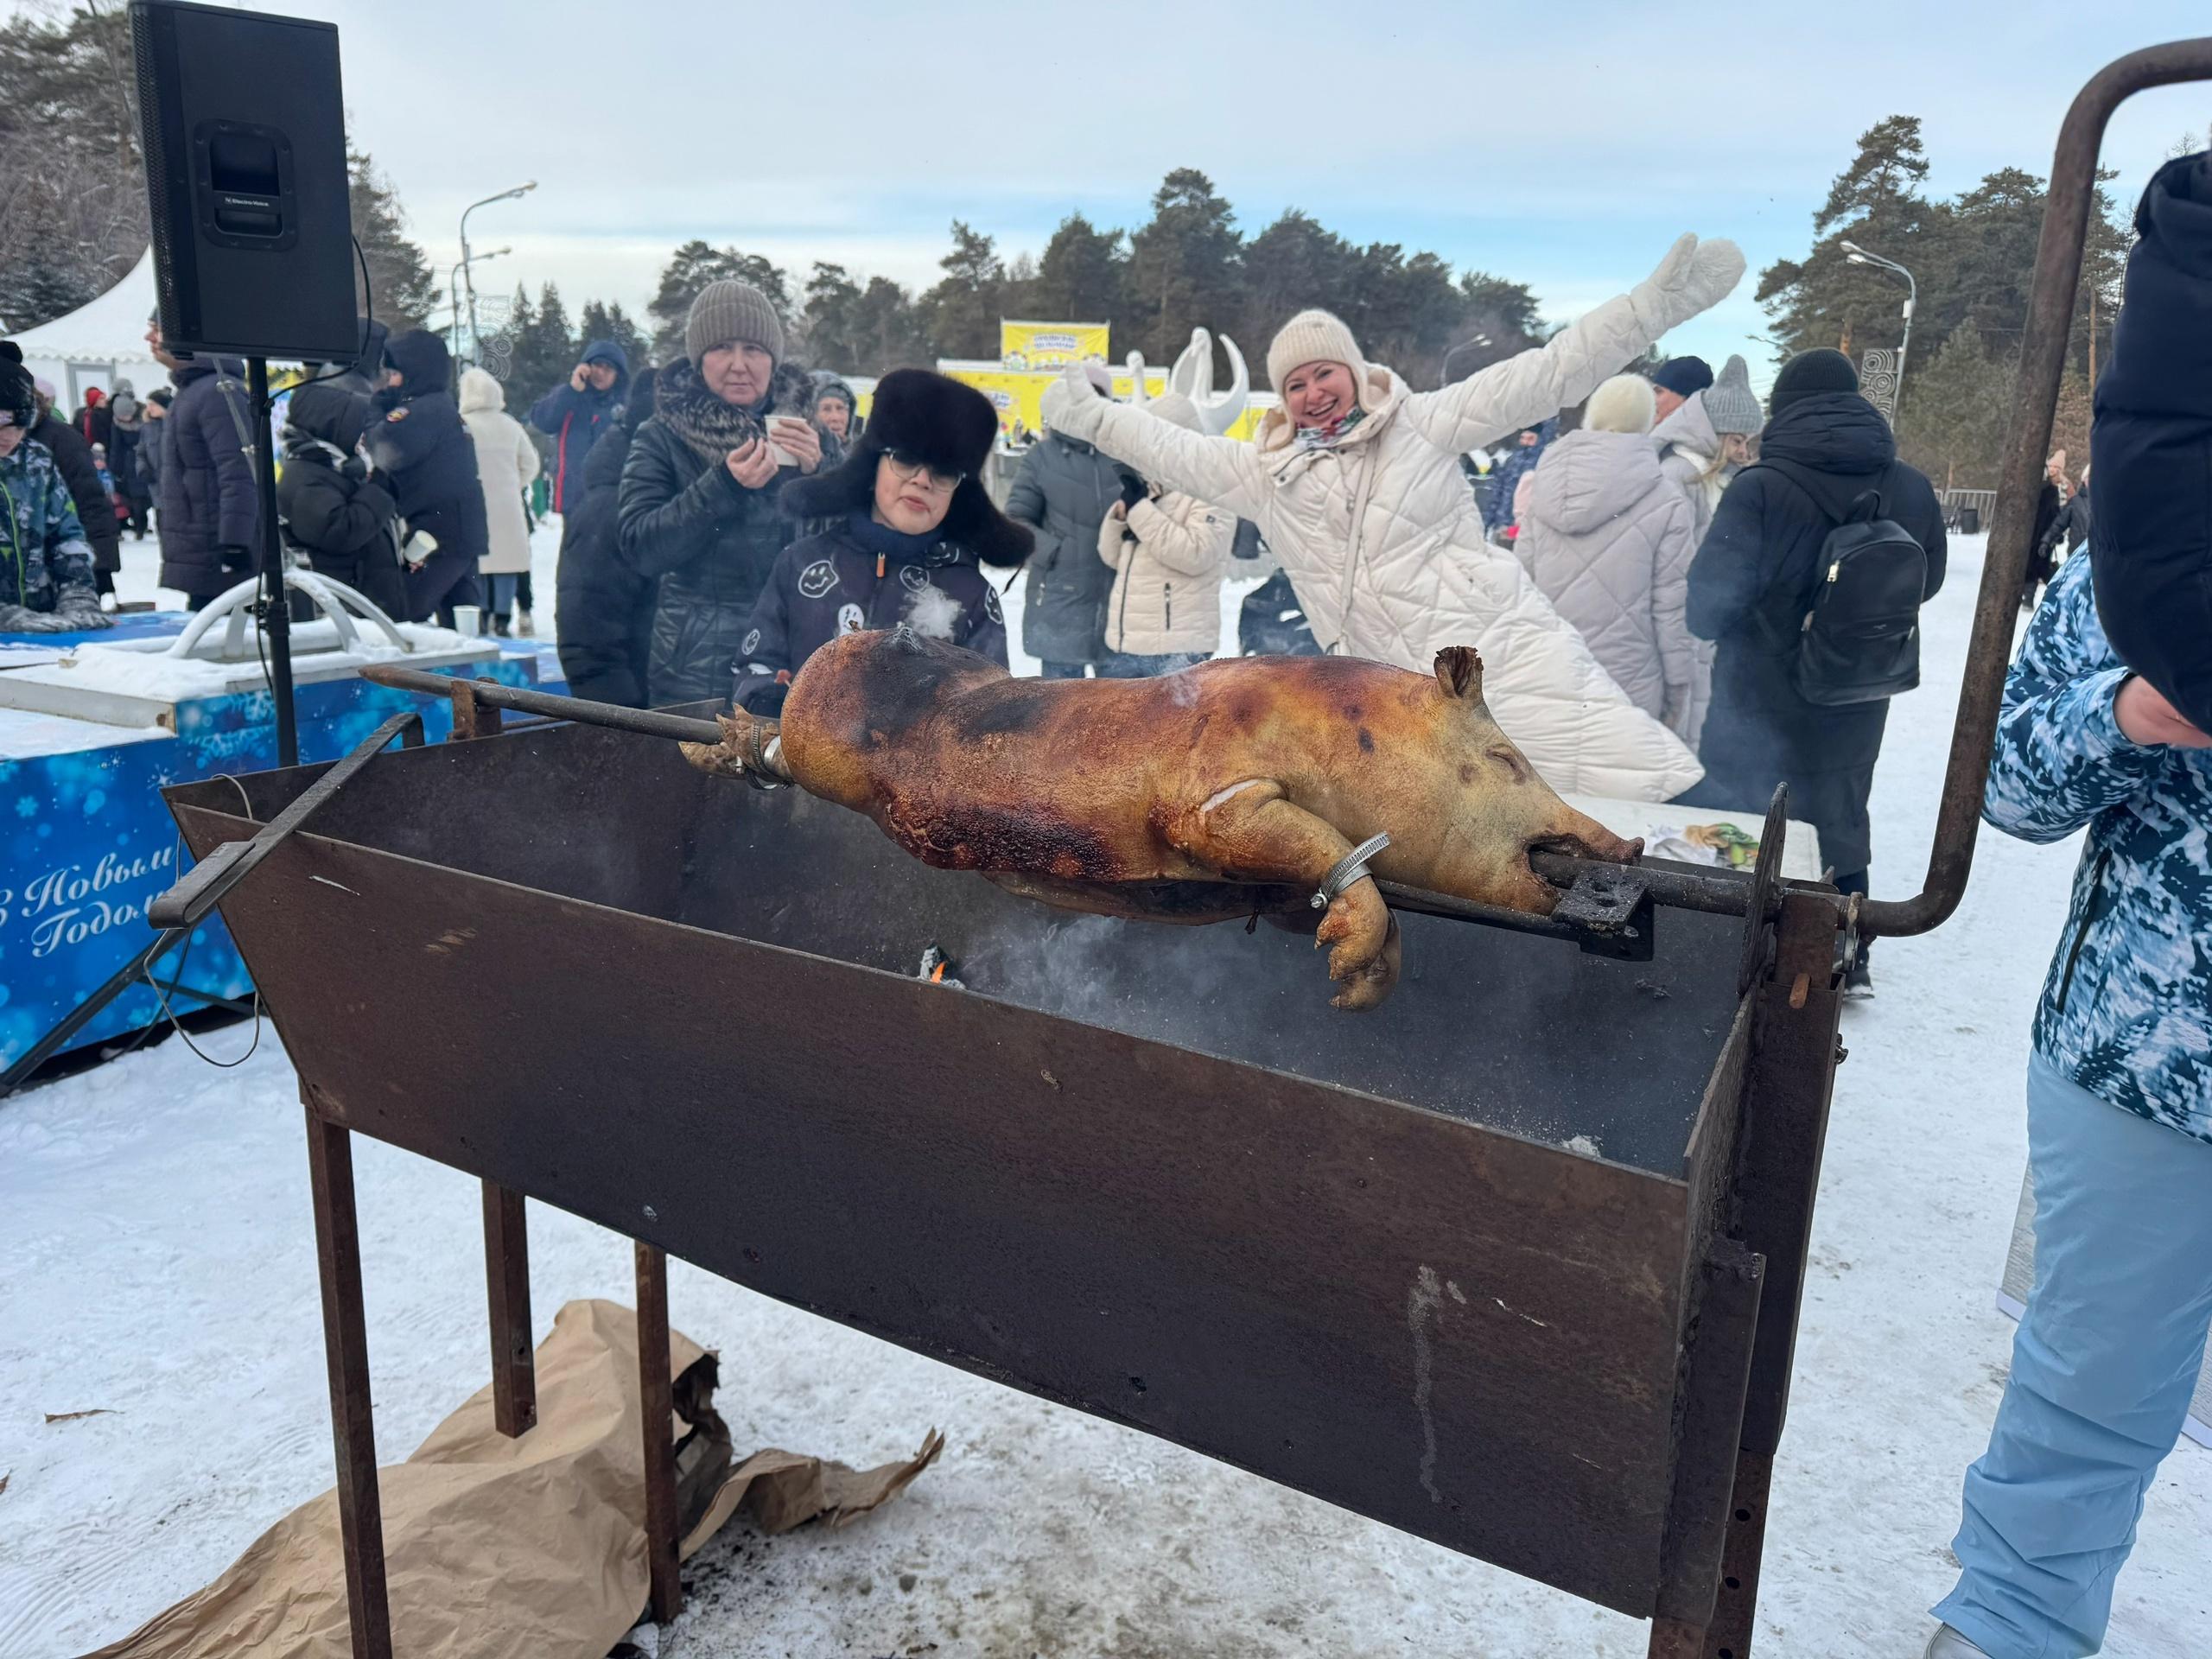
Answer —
1168 557
1607 538
507 460
1383 542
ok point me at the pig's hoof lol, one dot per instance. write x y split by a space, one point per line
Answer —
721 759
1367 979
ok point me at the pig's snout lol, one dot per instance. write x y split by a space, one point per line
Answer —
1584 837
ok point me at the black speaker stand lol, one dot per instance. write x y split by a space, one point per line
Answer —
269 565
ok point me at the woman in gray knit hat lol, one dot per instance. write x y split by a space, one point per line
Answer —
731 424
1709 439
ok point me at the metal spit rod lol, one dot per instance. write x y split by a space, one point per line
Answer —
1719 892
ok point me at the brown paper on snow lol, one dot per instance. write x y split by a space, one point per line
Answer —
528 1548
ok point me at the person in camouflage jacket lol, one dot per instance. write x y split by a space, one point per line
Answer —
2120 1142
2127 1011
46 565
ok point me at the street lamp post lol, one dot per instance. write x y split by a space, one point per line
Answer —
465 267
515 194
1859 256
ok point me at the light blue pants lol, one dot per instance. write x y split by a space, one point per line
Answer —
2103 1367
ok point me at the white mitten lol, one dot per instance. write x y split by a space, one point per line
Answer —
1694 277
1062 404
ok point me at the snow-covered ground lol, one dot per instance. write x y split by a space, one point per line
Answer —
160 1265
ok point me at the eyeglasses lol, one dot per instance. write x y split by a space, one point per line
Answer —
907 469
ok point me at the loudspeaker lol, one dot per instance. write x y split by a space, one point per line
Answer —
243 122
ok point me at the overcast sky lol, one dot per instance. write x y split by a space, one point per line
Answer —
1561 144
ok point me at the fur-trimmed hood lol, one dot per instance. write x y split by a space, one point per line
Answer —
947 426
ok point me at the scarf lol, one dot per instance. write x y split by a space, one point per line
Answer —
894 546
709 427
1327 437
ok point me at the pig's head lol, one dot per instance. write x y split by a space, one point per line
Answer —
1507 811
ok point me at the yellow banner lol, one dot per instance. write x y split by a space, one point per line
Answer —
1051 345
1018 394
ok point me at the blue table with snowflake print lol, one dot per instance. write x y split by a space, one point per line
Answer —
90 844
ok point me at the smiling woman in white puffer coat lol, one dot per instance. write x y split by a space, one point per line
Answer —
1360 496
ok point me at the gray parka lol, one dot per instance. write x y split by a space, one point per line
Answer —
1064 492
1607 538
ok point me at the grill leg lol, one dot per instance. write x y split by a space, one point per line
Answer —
1733 1614
346 1347
654 1397
506 1275
1777 1176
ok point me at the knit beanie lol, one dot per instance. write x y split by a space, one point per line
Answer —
1623 404
1730 404
1683 375
1315 337
1810 373
729 310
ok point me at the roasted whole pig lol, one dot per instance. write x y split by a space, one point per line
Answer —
1226 788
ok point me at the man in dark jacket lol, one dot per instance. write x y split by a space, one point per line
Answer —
423 454
606 611
208 510
908 520
95 512
1751 586
1063 493
2151 548
344 521
580 411
697 508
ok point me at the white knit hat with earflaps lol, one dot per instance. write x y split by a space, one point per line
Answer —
1316 337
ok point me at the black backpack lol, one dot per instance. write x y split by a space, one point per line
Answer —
1860 641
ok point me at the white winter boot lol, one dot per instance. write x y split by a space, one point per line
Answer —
524 628
1948 1644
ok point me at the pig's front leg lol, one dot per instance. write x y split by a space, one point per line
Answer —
1249 832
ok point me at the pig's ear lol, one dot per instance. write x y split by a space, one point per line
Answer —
1460 672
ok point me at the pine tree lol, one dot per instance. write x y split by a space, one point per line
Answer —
887 330
961 312
826 325
1497 319
1080 277
73 191
602 321
1184 266
1825 299
402 290
690 269
545 349
1404 311
1292 265
1955 412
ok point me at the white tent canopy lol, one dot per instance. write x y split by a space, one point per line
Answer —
99 342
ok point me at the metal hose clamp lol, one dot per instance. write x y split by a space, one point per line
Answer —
760 768
1351 867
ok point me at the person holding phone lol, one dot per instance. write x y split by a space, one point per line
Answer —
697 508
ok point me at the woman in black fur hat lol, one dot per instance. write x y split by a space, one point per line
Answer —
911 521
